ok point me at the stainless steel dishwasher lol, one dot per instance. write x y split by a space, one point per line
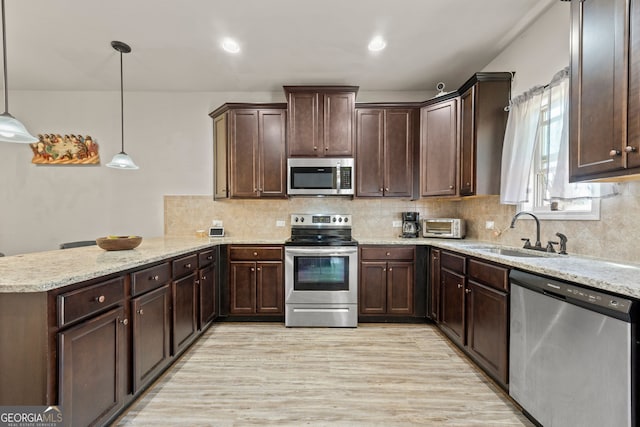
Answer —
572 353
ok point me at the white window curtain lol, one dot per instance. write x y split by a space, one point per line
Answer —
521 137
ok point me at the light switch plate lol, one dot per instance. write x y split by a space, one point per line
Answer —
397 224
279 223
489 225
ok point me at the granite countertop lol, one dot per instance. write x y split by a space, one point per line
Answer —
43 271
618 277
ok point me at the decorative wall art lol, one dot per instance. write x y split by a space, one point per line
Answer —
55 149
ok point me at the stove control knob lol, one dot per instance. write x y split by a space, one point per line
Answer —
302 219
296 219
340 219
346 220
334 219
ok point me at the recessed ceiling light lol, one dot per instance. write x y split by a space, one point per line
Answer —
230 45
377 44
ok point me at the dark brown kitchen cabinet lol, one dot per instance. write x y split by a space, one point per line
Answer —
257 153
482 125
249 151
256 280
92 363
439 149
151 335
605 85
207 288
385 147
184 302
474 310
220 159
386 280
433 303
320 120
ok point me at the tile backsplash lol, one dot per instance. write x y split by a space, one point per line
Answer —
614 237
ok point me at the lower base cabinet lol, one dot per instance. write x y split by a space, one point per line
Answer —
474 310
92 368
184 298
151 330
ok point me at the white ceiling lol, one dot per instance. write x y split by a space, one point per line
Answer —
65 44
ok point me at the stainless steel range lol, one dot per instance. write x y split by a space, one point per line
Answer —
321 272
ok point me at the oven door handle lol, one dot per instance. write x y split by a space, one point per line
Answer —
321 250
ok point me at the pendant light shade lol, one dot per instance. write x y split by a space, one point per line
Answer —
122 159
11 130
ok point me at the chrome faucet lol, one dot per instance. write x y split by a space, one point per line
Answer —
538 245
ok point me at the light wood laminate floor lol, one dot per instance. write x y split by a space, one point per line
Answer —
250 374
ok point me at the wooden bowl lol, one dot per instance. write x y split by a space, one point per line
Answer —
119 243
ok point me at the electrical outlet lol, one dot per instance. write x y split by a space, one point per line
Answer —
489 225
216 222
279 223
397 224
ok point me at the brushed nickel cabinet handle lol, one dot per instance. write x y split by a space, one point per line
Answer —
614 153
141 312
388 253
125 322
386 189
381 189
187 265
468 291
154 278
630 149
100 299
204 277
210 257
315 148
253 269
459 286
390 268
451 187
326 148
255 254
197 282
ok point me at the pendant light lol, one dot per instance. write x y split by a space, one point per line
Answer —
122 159
11 130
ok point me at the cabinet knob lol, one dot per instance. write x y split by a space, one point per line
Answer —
435 258
386 189
125 322
390 268
204 277
258 269
381 189
468 291
451 187
326 148
630 149
384 269
187 265
197 282
614 153
468 184
255 254
154 278
388 253
253 269
459 286
140 312
315 148
210 257
100 299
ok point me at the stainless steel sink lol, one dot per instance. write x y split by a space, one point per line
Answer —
515 253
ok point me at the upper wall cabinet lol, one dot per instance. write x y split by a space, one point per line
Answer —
321 120
605 89
251 137
385 150
482 124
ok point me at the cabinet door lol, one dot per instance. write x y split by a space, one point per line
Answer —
400 288
373 287
398 153
439 149
242 287
338 129
244 153
434 286
207 287
598 86
273 172
303 123
467 142
370 146
184 312
452 305
487 319
220 184
269 287
633 112
91 368
150 323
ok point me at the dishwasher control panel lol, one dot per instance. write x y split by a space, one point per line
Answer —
571 291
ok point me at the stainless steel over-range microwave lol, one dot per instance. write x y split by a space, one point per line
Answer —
322 176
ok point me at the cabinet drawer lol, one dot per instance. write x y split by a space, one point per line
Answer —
205 258
387 252
250 253
149 278
185 265
84 302
488 274
452 262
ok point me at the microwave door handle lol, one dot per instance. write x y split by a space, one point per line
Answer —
338 186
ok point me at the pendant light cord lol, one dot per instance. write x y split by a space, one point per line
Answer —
121 101
4 60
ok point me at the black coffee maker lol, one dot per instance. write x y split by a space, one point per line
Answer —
410 224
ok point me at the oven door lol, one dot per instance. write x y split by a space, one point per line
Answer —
321 275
